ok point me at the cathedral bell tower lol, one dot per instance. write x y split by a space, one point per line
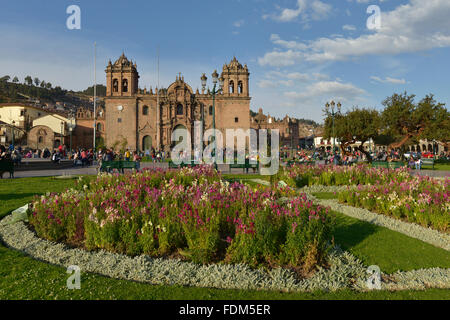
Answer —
122 78
236 79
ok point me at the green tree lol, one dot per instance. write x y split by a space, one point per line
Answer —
28 80
48 85
357 125
5 79
406 121
43 84
15 80
37 81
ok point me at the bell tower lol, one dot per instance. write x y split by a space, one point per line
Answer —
122 78
236 79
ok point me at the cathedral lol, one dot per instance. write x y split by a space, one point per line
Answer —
144 120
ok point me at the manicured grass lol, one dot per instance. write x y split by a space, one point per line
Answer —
325 195
24 278
390 250
438 166
17 192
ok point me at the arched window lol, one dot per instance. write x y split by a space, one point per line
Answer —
210 110
40 139
99 127
115 85
240 87
179 110
231 86
145 111
125 85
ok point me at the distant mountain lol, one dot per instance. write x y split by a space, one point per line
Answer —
42 92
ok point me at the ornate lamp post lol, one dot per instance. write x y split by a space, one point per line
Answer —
215 79
333 114
71 126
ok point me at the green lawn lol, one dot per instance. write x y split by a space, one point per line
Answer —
24 278
388 249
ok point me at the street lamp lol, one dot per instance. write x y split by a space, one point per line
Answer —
215 79
71 126
333 114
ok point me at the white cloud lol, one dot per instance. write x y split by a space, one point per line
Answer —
413 27
349 27
329 90
306 10
388 80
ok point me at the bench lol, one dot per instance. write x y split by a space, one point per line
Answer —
246 166
428 162
388 165
119 165
183 165
6 166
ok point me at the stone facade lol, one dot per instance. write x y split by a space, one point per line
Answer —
83 135
143 119
288 127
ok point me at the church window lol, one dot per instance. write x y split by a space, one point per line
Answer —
145 111
119 120
179 110
125 85
115 85
236 119
210 110
231 86
240 87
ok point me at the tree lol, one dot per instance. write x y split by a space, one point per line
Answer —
48 85
43 84
5 79
15 80
37 81
357 125
405 121
28 80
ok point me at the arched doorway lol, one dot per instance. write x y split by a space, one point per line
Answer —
146 143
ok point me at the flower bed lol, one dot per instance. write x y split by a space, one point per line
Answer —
330 175
420 200
192 213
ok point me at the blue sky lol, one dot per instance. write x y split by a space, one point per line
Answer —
301 53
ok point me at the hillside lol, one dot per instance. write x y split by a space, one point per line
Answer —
42 92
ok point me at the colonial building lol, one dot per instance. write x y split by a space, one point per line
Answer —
288 128
143 119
